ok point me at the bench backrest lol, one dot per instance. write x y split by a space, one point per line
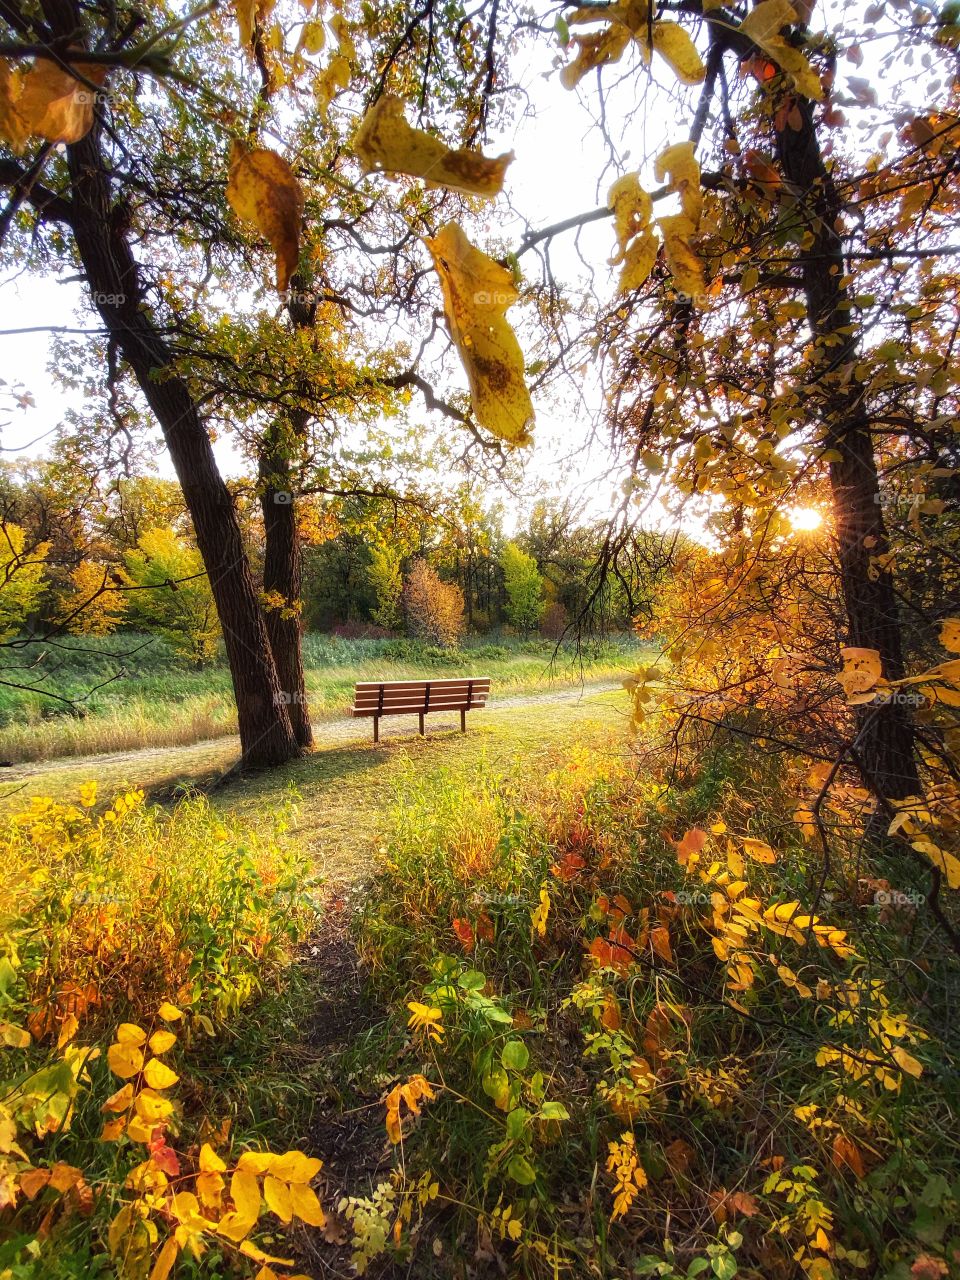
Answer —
396 696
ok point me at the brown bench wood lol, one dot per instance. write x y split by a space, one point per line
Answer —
378 698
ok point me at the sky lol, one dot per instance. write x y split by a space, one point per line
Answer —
558 159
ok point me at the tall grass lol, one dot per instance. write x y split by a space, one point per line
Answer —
129 692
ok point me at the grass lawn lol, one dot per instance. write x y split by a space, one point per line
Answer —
348 786
132 693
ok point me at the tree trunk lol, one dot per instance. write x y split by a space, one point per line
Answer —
283 575
885 746
266 735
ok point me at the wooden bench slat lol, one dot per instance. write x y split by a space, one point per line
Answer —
373 686
414 710
419 704
413 695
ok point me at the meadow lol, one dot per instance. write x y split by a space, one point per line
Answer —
127 692
517 1002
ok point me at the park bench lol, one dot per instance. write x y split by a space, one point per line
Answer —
419 697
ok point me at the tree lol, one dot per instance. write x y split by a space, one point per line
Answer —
524 586
387 583
92 607
21 578
174 596
434 608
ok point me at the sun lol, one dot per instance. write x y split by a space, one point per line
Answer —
805 519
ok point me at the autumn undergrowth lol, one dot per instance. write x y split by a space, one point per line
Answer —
634 1034
131 692
133 944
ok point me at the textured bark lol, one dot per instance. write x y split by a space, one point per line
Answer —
283 574
885 737
112 274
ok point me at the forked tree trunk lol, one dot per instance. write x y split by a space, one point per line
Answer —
112 274
885 747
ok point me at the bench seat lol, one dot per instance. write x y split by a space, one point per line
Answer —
419 697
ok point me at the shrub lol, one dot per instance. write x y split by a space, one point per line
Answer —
434 608
387 583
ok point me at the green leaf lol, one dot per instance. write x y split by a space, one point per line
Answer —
554 1111
515 1055
521 1170
724 1266
517 1122
472 980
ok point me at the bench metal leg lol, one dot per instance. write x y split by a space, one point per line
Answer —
421 724
376 728
463 720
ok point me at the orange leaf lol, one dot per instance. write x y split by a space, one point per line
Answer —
846 1153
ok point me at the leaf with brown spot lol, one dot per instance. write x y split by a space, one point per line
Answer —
476 294
47 101
263 191
386 143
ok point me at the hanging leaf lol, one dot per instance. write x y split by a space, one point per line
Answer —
674 45
386 143
248 13
625 22
476 294
682 259
264 192
763 25
679 165
637 246
861 670
47 102
595 50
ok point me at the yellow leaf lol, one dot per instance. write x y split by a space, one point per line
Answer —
169 1012
152 1107
950 634
165 1260
210 1162
130 1033
277 1196
948 864
158 1075
264 192
161 1041
113 1129
140 1130
294 1166
861 667
125 1060
306 1205
386 143
258 1255
595 50
245 1193
763 25
682 260
679 164
637 246
735 864
674 45
476 294
88 794
68 1030
759 851
47 102
906 1061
